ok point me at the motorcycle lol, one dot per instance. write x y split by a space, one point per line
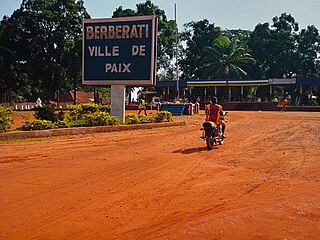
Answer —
212 133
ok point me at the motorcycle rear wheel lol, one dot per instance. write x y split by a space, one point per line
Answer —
209 142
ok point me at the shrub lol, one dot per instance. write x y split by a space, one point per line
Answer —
62 124
77 111
45 113
132 119
102 119
105 108
38 125
145 119
163 116
94 119
5 118
90 114
60 116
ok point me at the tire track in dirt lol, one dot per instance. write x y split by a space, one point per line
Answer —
159 184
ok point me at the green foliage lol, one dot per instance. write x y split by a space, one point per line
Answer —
163 116
53 61
38 125
166 30
137 119
60 116
227 59
145 119
80 111
45 113
48 113
198 36
90 114
102 119
132 119
5 118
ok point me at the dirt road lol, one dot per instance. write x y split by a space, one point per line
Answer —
263 183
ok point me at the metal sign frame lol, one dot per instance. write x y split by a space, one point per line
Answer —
119 51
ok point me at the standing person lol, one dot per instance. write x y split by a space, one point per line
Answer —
214 113
284 104
142 105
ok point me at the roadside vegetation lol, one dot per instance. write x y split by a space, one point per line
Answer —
82 115
5 118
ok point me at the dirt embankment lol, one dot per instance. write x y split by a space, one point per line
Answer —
263 183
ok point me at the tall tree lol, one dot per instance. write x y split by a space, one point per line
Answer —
46 37
166 30
274 48
307 52
227 59
7 67
197 36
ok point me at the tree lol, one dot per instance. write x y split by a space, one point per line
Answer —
227 59
307 52
274 48
197 36
46 37
166 30
7 67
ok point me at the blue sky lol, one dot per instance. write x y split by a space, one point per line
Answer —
231 14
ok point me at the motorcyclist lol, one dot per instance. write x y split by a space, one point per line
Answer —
214 113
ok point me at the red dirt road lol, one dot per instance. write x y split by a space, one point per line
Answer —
263 183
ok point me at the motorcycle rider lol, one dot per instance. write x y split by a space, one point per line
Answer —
214 113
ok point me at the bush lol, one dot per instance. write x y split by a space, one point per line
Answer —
94 119
132 119
145 119
90 114
5 118
163 116
102 119
60 116
77 111
45 113
62 124
38 125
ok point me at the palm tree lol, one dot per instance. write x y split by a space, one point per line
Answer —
226 59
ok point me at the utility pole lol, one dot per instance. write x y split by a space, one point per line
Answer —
177 65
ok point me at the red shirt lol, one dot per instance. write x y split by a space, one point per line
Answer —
214 113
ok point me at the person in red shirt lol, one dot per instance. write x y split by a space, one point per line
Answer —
284 104
214 113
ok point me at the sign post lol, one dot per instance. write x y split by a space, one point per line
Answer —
118 52
118 93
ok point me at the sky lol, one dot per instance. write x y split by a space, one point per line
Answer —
227 14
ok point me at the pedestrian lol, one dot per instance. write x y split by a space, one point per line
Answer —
142 105
284 104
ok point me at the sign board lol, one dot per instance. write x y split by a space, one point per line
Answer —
119 51
282 81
